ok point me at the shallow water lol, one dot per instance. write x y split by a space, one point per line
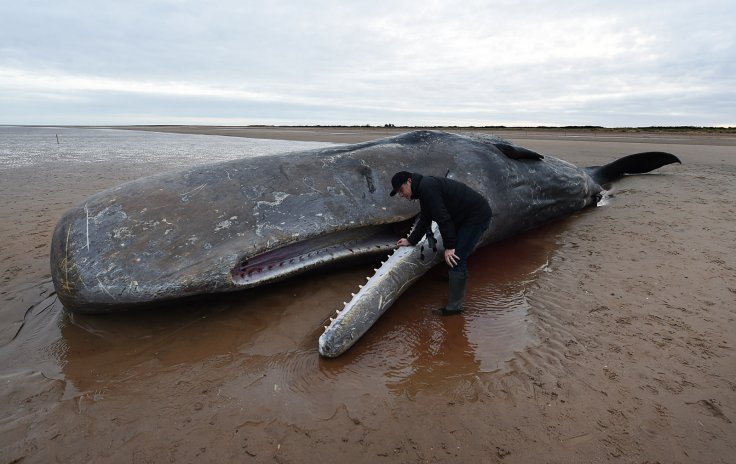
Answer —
36 146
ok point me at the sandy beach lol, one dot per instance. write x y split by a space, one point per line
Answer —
608 336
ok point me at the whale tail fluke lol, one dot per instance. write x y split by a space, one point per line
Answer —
638 163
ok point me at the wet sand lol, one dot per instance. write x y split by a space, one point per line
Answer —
608 336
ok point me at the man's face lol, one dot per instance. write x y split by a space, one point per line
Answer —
405 190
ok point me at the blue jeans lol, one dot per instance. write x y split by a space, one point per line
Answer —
467 239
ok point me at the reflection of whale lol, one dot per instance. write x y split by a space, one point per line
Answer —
259 331
244 223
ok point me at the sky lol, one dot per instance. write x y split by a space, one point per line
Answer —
358 62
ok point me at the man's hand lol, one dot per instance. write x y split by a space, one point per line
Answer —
403 242
451 258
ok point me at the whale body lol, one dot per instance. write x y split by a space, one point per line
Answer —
249 222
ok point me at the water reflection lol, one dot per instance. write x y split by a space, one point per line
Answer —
415 350
267 338
268 326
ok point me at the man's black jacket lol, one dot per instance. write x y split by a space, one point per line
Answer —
451 204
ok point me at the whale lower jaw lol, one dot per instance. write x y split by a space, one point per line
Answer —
396 274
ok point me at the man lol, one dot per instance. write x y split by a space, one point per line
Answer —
462 216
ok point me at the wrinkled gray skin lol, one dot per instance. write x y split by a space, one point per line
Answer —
239 224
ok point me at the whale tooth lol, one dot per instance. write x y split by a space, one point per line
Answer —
375 270
327 327
360 286
332 319
352 294
337 311
344 303
368 278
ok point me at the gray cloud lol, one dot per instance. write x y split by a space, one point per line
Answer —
327 62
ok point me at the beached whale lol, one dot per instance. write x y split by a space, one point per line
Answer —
244 223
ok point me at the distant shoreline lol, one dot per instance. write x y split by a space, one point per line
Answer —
355 134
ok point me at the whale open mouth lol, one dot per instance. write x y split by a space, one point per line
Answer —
298 257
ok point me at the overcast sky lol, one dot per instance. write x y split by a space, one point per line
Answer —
355 62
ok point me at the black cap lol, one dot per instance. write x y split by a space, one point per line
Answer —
398 180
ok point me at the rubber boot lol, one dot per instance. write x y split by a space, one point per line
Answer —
458 284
